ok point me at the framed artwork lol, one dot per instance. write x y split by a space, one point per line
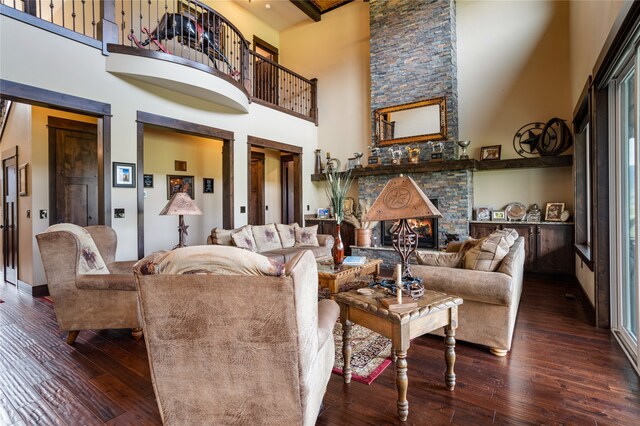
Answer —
498 215
483 213
207 185
351 163
323 213
491 152
148 181
177 183
22 180
124 175
553 212
180 166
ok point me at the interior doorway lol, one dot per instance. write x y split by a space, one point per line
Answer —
282 182
256 196
73 172
10 216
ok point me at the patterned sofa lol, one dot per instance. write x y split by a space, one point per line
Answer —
276 241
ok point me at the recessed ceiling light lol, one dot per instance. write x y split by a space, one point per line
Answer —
268 6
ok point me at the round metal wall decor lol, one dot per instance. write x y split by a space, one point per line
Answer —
555 138
525 141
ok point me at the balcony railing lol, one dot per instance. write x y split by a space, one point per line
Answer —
187 29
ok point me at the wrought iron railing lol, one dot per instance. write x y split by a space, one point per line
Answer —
81 16
274 84
187 29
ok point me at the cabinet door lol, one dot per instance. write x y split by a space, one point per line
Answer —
528 232
554 249
481 230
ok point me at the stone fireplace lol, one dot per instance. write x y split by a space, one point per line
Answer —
413 58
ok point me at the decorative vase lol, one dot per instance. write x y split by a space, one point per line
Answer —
338 248
363 237
318 169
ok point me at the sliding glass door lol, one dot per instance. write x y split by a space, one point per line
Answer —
626 186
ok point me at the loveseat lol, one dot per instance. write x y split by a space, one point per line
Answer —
276 241
491 298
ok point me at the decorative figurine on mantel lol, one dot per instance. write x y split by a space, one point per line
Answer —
437 149
534 214
358 163
414 153
374 156
396 154
332 164
318 169
463 154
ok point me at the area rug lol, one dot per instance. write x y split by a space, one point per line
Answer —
370 353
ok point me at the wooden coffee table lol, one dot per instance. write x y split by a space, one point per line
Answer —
435 310
333 277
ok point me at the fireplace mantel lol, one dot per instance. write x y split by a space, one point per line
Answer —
446 165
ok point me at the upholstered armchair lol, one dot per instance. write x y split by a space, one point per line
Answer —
89 289
234 337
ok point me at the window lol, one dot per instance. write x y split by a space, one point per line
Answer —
583 175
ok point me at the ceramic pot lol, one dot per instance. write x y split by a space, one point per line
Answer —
363 237
338 248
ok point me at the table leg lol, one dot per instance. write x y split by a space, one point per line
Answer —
346 351
402 382
450 357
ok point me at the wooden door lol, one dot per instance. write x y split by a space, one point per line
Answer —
265 72
528 232
10 220
554 245
73 172
287 188
256 196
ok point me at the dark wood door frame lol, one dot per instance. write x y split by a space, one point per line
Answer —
296 151
251 214
31 95
147 119
11 230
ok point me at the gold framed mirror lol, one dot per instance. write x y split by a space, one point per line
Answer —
419 121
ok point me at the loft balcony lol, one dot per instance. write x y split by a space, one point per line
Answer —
182 32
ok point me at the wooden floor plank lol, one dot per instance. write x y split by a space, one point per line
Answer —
561 370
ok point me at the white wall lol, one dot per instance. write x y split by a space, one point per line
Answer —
336 52
82 73
204 159
513 69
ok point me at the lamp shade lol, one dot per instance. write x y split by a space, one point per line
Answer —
180 204
401 198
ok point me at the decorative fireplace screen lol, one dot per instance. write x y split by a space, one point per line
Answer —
427 229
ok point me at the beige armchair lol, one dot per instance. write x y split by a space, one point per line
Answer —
88 301
230 347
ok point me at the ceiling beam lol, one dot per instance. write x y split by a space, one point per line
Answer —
308 8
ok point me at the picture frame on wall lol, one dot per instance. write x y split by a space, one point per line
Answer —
207 185
178 183
491 152
553 212
148 181
124 175
498 215
22 180
483 213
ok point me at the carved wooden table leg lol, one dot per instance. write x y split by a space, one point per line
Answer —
450 357
402 382
346 351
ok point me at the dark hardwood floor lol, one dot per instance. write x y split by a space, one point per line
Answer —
561 370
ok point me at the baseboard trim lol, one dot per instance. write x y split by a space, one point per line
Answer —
33 290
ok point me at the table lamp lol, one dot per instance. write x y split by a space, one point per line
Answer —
402 199
179 205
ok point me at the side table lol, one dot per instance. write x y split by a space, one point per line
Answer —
434 310
333 277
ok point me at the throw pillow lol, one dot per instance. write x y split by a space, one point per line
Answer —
488 255
510 234
470 243
307 237
90 261
212 260
287 234
222 236
244 239
266 238
447 260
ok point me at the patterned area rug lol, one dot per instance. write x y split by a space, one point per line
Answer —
370 352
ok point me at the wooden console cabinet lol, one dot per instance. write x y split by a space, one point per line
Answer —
548 247
328 226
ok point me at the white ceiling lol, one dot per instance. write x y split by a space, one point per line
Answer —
282 14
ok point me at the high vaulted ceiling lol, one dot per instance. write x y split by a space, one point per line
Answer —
282 14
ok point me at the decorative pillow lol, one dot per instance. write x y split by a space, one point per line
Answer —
470 243
509 234
211 260
90 258
222 236
447 260
287 234
488 255
266 238
244 239
307 237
